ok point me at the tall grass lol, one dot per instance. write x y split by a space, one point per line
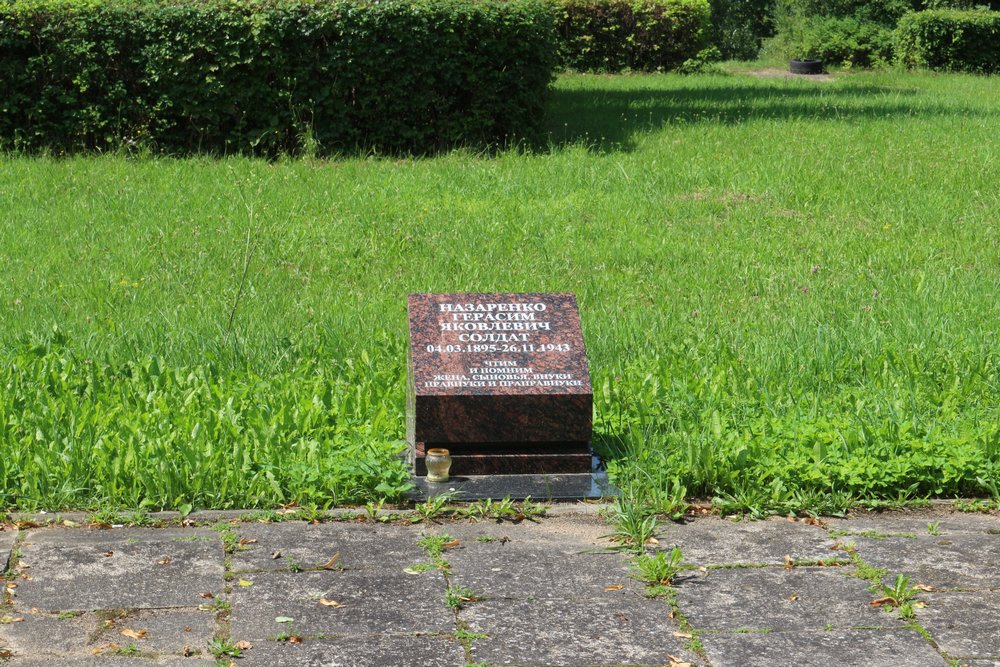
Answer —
788 292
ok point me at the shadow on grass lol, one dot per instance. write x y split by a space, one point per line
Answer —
610 120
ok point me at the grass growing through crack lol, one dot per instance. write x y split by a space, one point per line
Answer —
457 597
658 569
787 292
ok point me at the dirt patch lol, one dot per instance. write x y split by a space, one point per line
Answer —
774 73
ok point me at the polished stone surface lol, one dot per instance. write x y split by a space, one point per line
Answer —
494 368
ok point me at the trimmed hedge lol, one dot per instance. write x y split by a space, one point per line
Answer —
616 35
967 41
272 76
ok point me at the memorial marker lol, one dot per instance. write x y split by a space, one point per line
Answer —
501 380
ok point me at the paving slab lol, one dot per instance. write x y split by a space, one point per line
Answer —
574 633
360 545
960 561
47 635
519 563
844 648
570 533
163 630
8 536
366 651
963 624
715 541
918 523
127 568
779 599
56 536
374 602
109 661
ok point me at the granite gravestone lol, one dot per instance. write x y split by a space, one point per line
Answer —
501 381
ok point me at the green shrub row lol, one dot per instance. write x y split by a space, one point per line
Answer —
950 40
839 32
617 35
272 76
739 27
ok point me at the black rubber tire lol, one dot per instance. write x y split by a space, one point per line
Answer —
806 67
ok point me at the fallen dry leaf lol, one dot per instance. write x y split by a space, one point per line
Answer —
166 560
108 554
275 555
789 563
793 597
919 604
244 645
674 662
884 601
207 595
683 635
924 587
295 639
332 563
7 620
134 634
451 544
107 647
613 587
244 541
331 603
245 583
187 651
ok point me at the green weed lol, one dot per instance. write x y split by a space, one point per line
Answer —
457 597
436 544
658 569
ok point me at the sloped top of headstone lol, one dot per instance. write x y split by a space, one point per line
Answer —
497 344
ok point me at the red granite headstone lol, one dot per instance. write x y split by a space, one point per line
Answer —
501 380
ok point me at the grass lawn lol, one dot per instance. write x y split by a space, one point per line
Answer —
789 292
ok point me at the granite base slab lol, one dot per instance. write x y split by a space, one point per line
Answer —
510 458
578 486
